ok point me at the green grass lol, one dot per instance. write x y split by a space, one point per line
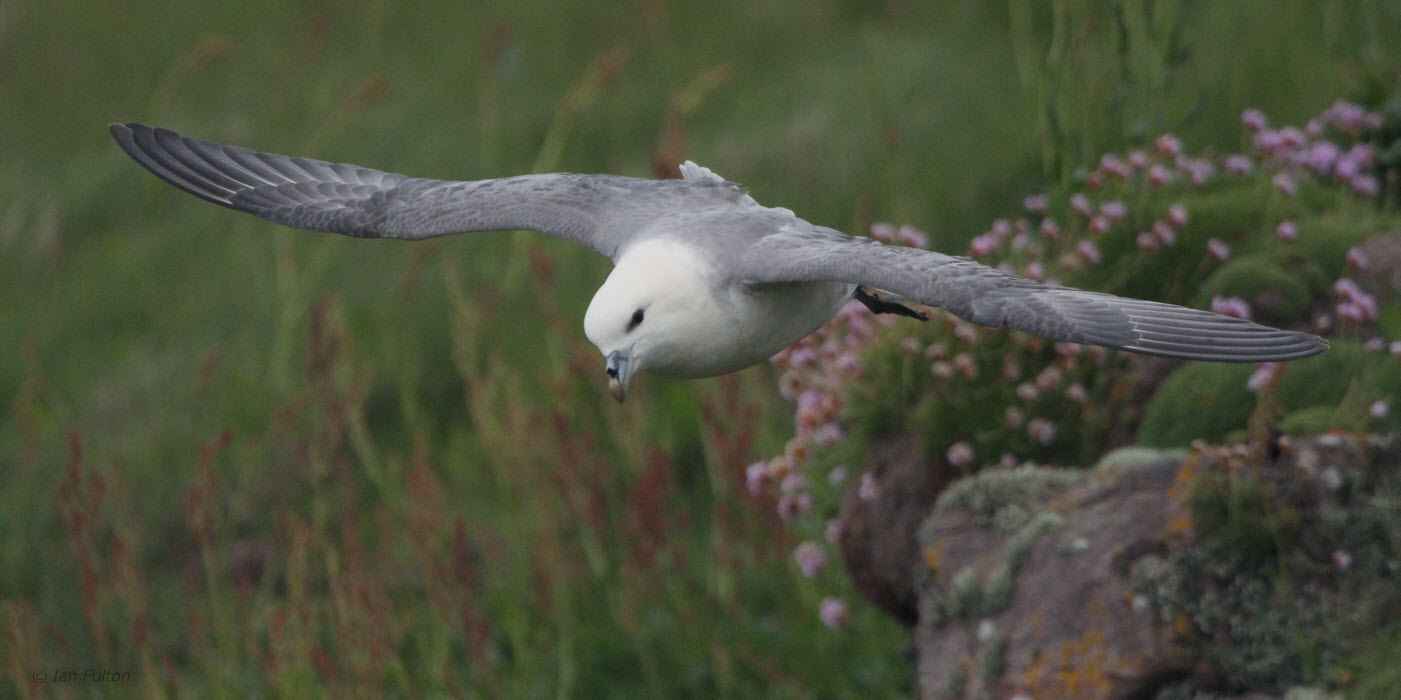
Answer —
241 460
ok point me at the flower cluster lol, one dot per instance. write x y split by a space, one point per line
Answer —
1008 398
1290 150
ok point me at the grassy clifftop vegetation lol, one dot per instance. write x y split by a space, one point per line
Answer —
242 460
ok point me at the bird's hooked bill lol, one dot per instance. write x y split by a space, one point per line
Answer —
616 364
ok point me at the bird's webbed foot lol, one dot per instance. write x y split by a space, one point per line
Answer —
879 304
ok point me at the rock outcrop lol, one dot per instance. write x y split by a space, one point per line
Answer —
1155 574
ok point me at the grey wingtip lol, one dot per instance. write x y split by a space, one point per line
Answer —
1288 347
121 132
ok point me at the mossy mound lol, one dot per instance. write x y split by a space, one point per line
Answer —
1335 390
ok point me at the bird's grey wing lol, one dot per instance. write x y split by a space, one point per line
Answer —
989 297
599 211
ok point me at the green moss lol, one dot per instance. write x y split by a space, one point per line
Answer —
1326 239
1134 456
1273 292
1209 401
1312 421
1201 400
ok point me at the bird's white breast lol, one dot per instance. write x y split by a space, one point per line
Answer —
698 322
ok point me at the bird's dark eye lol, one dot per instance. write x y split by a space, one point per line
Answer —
636 319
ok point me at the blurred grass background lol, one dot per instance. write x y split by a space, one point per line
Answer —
243 460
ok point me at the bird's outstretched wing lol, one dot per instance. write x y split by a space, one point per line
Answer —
603 212
989 297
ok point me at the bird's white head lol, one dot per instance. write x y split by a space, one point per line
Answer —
650 313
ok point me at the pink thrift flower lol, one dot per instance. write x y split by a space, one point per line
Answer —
832 612
1168 145
801 356
1041 430
1177 215
1357 312
1088 251
1341 560
1321 156
1218 249
1292 137
1198 171
1365 185
1049 379
1254 119
1164 232
1345 116
1357 259
1111 164
1285 184
983 246
755 475
1081 205
1013 417
1034 270
965 365
943 371
1027 392
1138 159
793 504
827 434
1353 162
883 232
794 482
1076 392
1147 242
1268 142
1231 306
1263 375
836 476
833 531
965 332
1037 203
912 237
960 454
810 557
1098 225
1050 229
1378 410
869 490
846 363
1113 210
1238 164
1159 176
1356 305
1287 231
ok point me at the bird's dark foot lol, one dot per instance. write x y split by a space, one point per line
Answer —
881 305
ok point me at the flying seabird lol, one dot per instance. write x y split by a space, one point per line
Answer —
705 280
